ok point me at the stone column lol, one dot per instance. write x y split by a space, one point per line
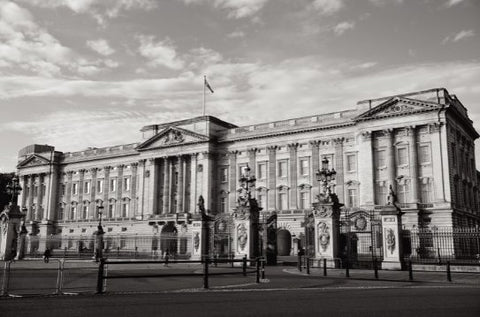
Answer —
51 194
392 242
141 189
166 186
38 198
193 183
315 165
106 189
339 178
412 133
232 161
272 177
365 172
252 160
390 159
80 193
22 196
68 194
325 221
30 196
184 185
118 194
206 176
93 190
179 193
170 186
133 190
292 148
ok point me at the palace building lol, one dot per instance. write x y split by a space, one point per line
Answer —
421 144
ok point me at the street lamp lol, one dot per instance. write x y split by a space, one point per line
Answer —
100 213
14 189
326 176
247 182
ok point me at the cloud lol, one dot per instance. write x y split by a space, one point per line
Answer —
237 9
161 53
100 10
101 47
342 27
451 3
384 2
459 36
328 7
236 34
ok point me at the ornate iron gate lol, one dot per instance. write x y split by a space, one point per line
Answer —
360 237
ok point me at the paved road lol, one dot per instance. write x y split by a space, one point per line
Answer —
408 301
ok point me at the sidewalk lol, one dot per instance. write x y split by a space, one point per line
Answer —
395 276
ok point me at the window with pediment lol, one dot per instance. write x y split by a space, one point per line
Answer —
282 198
125 207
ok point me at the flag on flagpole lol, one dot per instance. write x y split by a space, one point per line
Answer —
208 85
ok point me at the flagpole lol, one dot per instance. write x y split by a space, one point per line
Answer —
204 80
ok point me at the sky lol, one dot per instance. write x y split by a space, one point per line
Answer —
92 73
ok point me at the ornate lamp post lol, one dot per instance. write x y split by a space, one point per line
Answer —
100 233
14 189
247 183
326 177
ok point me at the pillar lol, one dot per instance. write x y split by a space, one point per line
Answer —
118 194
232 161
141 189
93 190
326 226
179 193
339 178
166 186
292 149
272 177
365 172
392 240
30 196
390 158
193 182
133 190
315 164
68 198
413 161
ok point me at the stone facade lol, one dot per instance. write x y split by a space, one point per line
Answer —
421 144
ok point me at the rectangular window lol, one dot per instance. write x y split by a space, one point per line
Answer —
402 158
262 200
61 212
282 201
126 183
125 209
74 213
304 200
426 191
403 192
352 197
224 175
262 171
62 189
100 186
223 204
351 163
304 167
85 212
424 154
111 210
282 169
75 189
381 194
381 162
86 188
113 185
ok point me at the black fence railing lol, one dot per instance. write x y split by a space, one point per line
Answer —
439 245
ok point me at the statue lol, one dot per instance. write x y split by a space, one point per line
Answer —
392 198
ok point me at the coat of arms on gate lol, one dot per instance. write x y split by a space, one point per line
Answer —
196 241
242 236
323 236
390 240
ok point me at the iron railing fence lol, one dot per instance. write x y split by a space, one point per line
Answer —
439 245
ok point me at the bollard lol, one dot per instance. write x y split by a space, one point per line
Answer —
6 278
263 269
324 267
257 264
244 266
231 258
101 268
307 260
299 263
410 271
375 268
65 252
347 269
449 274
61 265
205 272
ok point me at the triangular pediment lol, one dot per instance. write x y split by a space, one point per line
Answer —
398 106
172 136
33 160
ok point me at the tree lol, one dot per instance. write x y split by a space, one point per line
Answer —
5 179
